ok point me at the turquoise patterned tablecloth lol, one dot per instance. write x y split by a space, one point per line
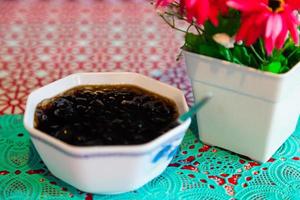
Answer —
197 172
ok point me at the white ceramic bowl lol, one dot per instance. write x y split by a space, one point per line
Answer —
106 169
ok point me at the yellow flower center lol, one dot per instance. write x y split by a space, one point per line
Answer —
276 5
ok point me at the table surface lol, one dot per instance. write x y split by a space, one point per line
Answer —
42 41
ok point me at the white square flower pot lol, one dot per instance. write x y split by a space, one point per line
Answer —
251 113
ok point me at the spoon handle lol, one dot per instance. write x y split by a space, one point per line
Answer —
194 109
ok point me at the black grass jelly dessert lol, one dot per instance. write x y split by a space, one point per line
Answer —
106 115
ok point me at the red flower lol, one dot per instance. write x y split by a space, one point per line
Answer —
203 10
199 10
269 19
216 7
163 3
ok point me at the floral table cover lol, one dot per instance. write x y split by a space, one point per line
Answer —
41 41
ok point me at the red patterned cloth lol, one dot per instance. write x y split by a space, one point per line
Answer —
42 41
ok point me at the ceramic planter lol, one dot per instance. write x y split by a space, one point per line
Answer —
251 113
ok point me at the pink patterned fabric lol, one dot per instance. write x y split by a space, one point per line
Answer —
42 41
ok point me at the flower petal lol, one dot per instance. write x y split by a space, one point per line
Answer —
253 36
277 26
295 4
274 26
213 16
282 37
247 6
293 28
202 11
269 27
190 3
247 23
269 45
163 3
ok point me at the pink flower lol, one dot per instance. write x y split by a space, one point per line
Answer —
270 19
198 10
203 10
217 7
163 3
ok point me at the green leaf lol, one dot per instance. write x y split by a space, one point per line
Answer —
274 67
199 44
284 69
240 55
193 42
225 53
292 55
213 49
210 50
280 61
